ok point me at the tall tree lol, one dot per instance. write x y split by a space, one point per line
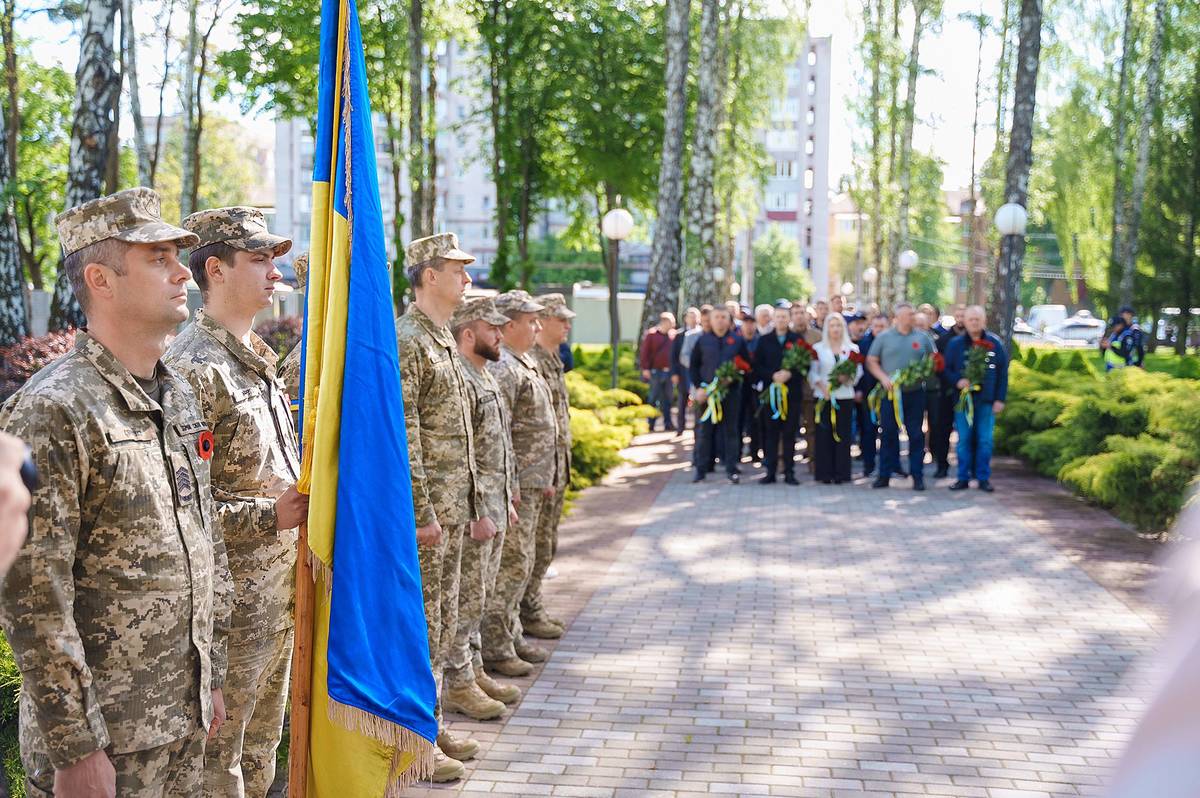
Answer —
1007 287
96 84
129 48
700 281
874 46
974 275
662 291
156 150
13 326
416 119
431 154
1120 111
1141 168
191 155
8 15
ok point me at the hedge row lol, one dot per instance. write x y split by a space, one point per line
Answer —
603 420
1128 440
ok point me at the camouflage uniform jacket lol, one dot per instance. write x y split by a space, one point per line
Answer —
118 606
437 415
495 463
550 366
255 460
531 410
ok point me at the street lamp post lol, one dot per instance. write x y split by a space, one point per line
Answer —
616 225
870 275
908 261
1011 220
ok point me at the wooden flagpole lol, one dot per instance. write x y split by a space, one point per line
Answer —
302 655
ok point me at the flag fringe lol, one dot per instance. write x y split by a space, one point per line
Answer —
321 572
394 736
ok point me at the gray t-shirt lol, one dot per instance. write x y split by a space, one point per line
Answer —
895 350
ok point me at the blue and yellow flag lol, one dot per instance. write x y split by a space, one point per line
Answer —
372 727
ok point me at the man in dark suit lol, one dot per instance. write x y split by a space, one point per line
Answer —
768 369
720 345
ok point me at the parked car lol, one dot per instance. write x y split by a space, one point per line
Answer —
1043 317
1082 329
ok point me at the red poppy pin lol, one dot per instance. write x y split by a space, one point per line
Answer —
205 444
729 340
985 343
916 344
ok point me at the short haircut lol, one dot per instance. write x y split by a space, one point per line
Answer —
218 249
416 272
458 329
705 309
899 306
110 252
667 315
764 306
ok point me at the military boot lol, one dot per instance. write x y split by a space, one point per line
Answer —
460 748
446 769
542 628
508 693
530 652
471 701
513 666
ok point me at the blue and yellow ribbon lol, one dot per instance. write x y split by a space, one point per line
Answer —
713 411
777 398
832 404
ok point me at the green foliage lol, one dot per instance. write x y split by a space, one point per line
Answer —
1079 364
10 750
603 420
1031 358
1050 363
778 273
597 368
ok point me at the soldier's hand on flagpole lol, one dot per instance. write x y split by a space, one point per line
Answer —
516 497
291 509
429 535
512 514
483 530
91 777
14 500
548 492
218 700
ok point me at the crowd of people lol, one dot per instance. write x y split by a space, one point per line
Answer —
150 609
757 381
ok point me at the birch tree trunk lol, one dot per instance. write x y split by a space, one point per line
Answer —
875 50
906 142
416 116
702 207
662 291
13 326
973 275
1020 160
431 155
1129 252
162 90
10 83
129 47
96 83
1120 144
188 188
1186 292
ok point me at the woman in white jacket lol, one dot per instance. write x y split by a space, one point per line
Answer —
833 419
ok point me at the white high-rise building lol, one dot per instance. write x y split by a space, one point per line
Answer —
465 202
796 196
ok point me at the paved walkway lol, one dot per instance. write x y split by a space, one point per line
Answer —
817 641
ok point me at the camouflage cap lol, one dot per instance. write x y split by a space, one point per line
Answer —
477 309
442 245
300 266
513 302
240 226
556 306
133 216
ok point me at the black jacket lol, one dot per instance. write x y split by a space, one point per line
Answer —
867 381
768 359
712 351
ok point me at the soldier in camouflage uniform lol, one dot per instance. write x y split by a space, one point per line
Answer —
118 606
534 432
556 326
255 466
469 690
441 453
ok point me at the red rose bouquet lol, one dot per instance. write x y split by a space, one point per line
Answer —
979 357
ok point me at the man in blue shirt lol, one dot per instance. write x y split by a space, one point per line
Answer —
890 352
975 434
713 348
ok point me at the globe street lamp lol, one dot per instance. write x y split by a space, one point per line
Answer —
847 289
907 261
1011 219
616 226
870 275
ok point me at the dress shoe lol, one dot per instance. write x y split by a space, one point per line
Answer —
445 769
505 693
698 476
735 478
902 473
511 667
867 472
942 472
986 487
543 629
769 479
918 484
790 479
961 484
880 482
471 701
463 749
530 652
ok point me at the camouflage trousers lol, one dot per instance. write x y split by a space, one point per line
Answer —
240 762
174 770
480 564
546 544
501 624
439 587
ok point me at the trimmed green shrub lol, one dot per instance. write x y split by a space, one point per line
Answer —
1189 368
1015 352
1050 363
1031 358
595 447
1142 479
1078 364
